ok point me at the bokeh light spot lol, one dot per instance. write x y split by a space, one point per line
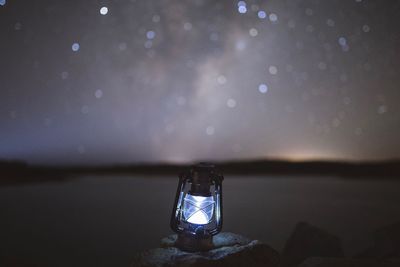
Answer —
263 88
273 70
273 17
242 9
104 10
366 28
342 41
98 93
221 80
261 14
150 35
231 103
75 47
210 130
253 32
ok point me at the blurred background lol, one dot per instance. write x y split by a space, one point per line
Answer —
98 82
105 83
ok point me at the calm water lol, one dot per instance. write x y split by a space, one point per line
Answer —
102 221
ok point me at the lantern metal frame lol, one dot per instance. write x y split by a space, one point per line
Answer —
204 181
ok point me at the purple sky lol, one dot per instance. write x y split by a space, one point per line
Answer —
131 81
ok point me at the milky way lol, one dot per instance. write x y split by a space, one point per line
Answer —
134 81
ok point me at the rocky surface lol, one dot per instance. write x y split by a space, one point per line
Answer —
386 243
342 262
229 249
310 241
308 246
385 252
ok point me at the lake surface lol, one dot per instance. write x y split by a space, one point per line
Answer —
103 221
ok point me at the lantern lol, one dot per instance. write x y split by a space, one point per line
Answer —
197 212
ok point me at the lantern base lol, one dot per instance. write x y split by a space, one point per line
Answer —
193 243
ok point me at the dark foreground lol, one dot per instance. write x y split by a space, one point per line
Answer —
105 220
308 246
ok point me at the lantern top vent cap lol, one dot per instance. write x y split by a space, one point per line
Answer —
203 167
204 172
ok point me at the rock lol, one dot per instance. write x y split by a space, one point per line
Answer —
223 239
341 262
386 243
229 249
310 241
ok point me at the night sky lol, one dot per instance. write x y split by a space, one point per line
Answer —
95 82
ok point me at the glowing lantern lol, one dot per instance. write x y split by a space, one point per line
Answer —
197 212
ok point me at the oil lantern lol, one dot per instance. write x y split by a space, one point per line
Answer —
197 211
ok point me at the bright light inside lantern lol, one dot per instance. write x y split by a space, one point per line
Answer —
198 209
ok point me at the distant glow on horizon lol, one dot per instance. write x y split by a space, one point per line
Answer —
306 155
